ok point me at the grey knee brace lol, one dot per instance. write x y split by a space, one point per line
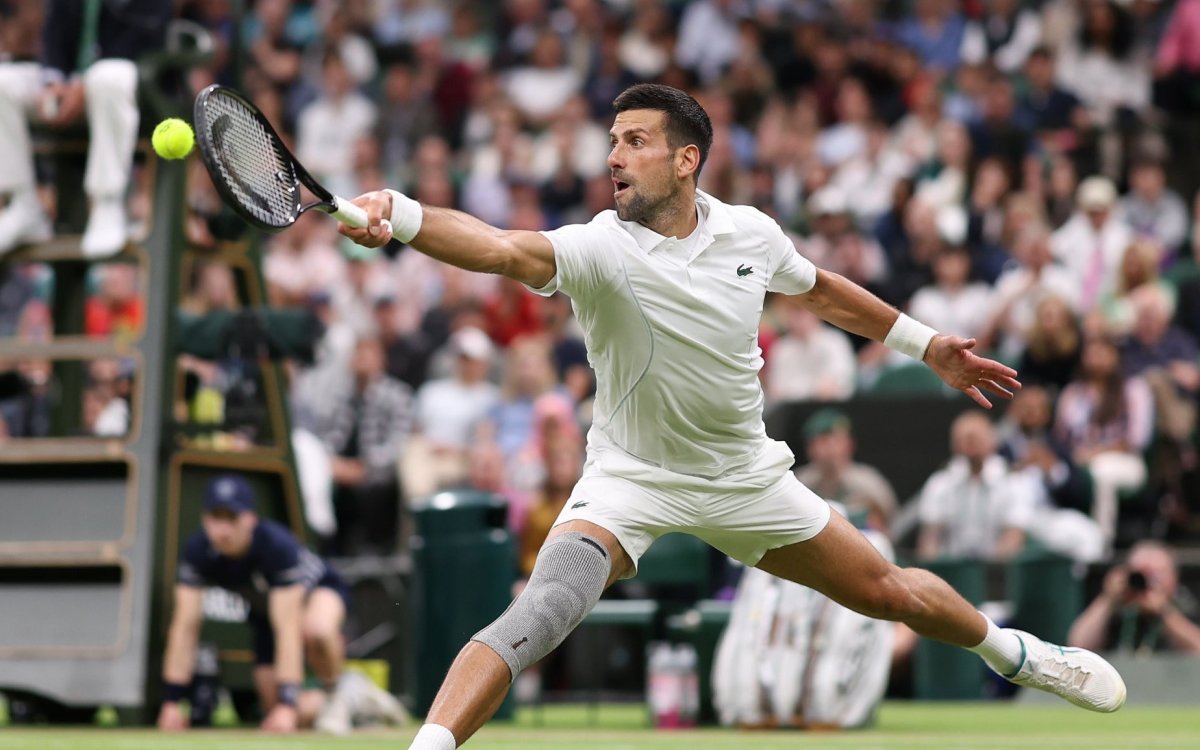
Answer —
567 580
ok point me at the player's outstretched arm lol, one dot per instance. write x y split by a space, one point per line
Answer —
848 306
455 237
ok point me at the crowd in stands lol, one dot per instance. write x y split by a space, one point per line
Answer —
1021 172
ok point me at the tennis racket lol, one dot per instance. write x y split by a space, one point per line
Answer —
253 171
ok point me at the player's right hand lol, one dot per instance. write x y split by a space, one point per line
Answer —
378 205
171 718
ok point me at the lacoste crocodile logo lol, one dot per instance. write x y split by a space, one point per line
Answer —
744 270
580 504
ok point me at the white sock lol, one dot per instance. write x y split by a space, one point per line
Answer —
1001 649
433 737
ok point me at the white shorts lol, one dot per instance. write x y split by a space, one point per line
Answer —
743 523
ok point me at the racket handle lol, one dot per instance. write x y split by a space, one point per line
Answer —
353 216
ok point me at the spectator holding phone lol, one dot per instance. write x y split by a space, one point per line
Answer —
1141 607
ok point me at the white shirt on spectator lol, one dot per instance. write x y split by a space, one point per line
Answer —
326 134
1021 293
708 39
964 311
448 410
820 366
1074 245
1165 219
974 511
540 92
1011 55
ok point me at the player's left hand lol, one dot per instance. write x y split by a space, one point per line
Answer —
282 719
950 357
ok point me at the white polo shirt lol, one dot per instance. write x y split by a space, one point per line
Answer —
671 328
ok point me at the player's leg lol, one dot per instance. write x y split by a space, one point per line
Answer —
840 563
578 561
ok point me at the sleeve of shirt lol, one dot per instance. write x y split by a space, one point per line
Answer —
286 562
585 260
192 562
793 273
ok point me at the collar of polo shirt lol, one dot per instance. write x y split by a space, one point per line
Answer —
715 220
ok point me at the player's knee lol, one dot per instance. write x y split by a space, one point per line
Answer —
111 78
568 578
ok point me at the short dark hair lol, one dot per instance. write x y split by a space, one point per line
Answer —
686 121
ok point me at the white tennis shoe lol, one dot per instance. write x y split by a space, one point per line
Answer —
1075 674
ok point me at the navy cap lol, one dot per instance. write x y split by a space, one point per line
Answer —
228 492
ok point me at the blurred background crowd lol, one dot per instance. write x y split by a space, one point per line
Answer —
1025 172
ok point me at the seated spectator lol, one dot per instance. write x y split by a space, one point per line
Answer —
106 398
1092 242
540 89
832 472
328 128
448 410
1005 34
1139 266
528 375
951 303
836 244
977 507
1141 609
1151 208
1105 420
1053 345
563 463
1021 289
96 79
935 30
571 366
116 309
1098 65
811 361
1028 442
365 435
1056 115
1165 356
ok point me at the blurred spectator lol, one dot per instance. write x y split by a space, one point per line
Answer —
468 43
811 361
951 303
448 410
525 471
645 47
708 37
329 127
408 21
846 137
116 308
88 66
406 115
1028 442
1091 244
1139 267
564 460
1105 420
571 365
302 261
1053 347
365 279
1005 34
942 181
528 374
1099 67
1152 209
871 176
106 398
935 31
540 89
976 507
999 132
511 312
1165 356
837 245
1055 114
987 217
365 434
832 472
1021 289
1141 609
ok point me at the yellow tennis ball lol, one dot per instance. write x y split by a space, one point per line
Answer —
173 138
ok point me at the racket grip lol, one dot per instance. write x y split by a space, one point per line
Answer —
353 216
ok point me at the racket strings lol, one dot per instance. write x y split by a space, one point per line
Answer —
254 169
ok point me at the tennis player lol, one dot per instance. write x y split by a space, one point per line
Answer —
669 290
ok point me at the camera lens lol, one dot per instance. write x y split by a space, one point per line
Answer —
1137 581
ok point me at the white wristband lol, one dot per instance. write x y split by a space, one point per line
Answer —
909 336
406 217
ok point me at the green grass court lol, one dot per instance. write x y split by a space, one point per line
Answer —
944 726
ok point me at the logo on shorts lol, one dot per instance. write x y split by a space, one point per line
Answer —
744 270
520 643
580 504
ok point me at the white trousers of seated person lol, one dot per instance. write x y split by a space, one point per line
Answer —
1111 473
110 90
